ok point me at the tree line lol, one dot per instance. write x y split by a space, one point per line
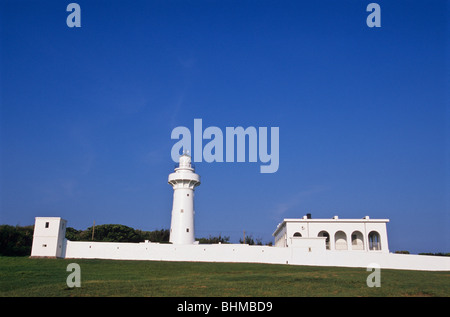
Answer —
17 240
116 233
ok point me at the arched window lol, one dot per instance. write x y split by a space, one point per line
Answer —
327 240
340 241
297 234
357 241
374 241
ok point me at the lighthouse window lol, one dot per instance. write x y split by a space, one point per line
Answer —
187 229
182 210
187 194
47 224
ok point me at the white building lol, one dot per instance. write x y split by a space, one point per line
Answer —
49 237
333 234
304 241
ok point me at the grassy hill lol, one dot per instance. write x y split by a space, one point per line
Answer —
22 276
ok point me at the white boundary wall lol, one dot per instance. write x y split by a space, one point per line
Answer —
251 254
50 231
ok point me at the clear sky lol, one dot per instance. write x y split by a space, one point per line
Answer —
87 113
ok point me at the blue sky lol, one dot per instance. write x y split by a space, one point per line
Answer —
87 113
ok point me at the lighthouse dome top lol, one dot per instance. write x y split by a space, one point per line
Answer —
185 160
184 163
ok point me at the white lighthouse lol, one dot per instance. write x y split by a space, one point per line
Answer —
183 180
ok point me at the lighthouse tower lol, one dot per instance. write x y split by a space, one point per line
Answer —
183 180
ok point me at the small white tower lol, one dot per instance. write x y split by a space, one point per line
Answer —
48 237
183 180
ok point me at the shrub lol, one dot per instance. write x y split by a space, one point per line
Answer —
16 241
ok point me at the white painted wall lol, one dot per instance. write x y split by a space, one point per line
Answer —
316 244
281 238
171 252
302 255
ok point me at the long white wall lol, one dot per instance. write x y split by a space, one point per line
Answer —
252 254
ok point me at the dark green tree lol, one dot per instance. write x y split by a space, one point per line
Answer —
16 241
111 233
213 240
154 236
73 234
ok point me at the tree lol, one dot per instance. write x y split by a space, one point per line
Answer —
73 234
111 233
248 240
214 240
117 233
16 241
154 236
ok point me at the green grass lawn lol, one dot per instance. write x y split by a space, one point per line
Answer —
22 276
